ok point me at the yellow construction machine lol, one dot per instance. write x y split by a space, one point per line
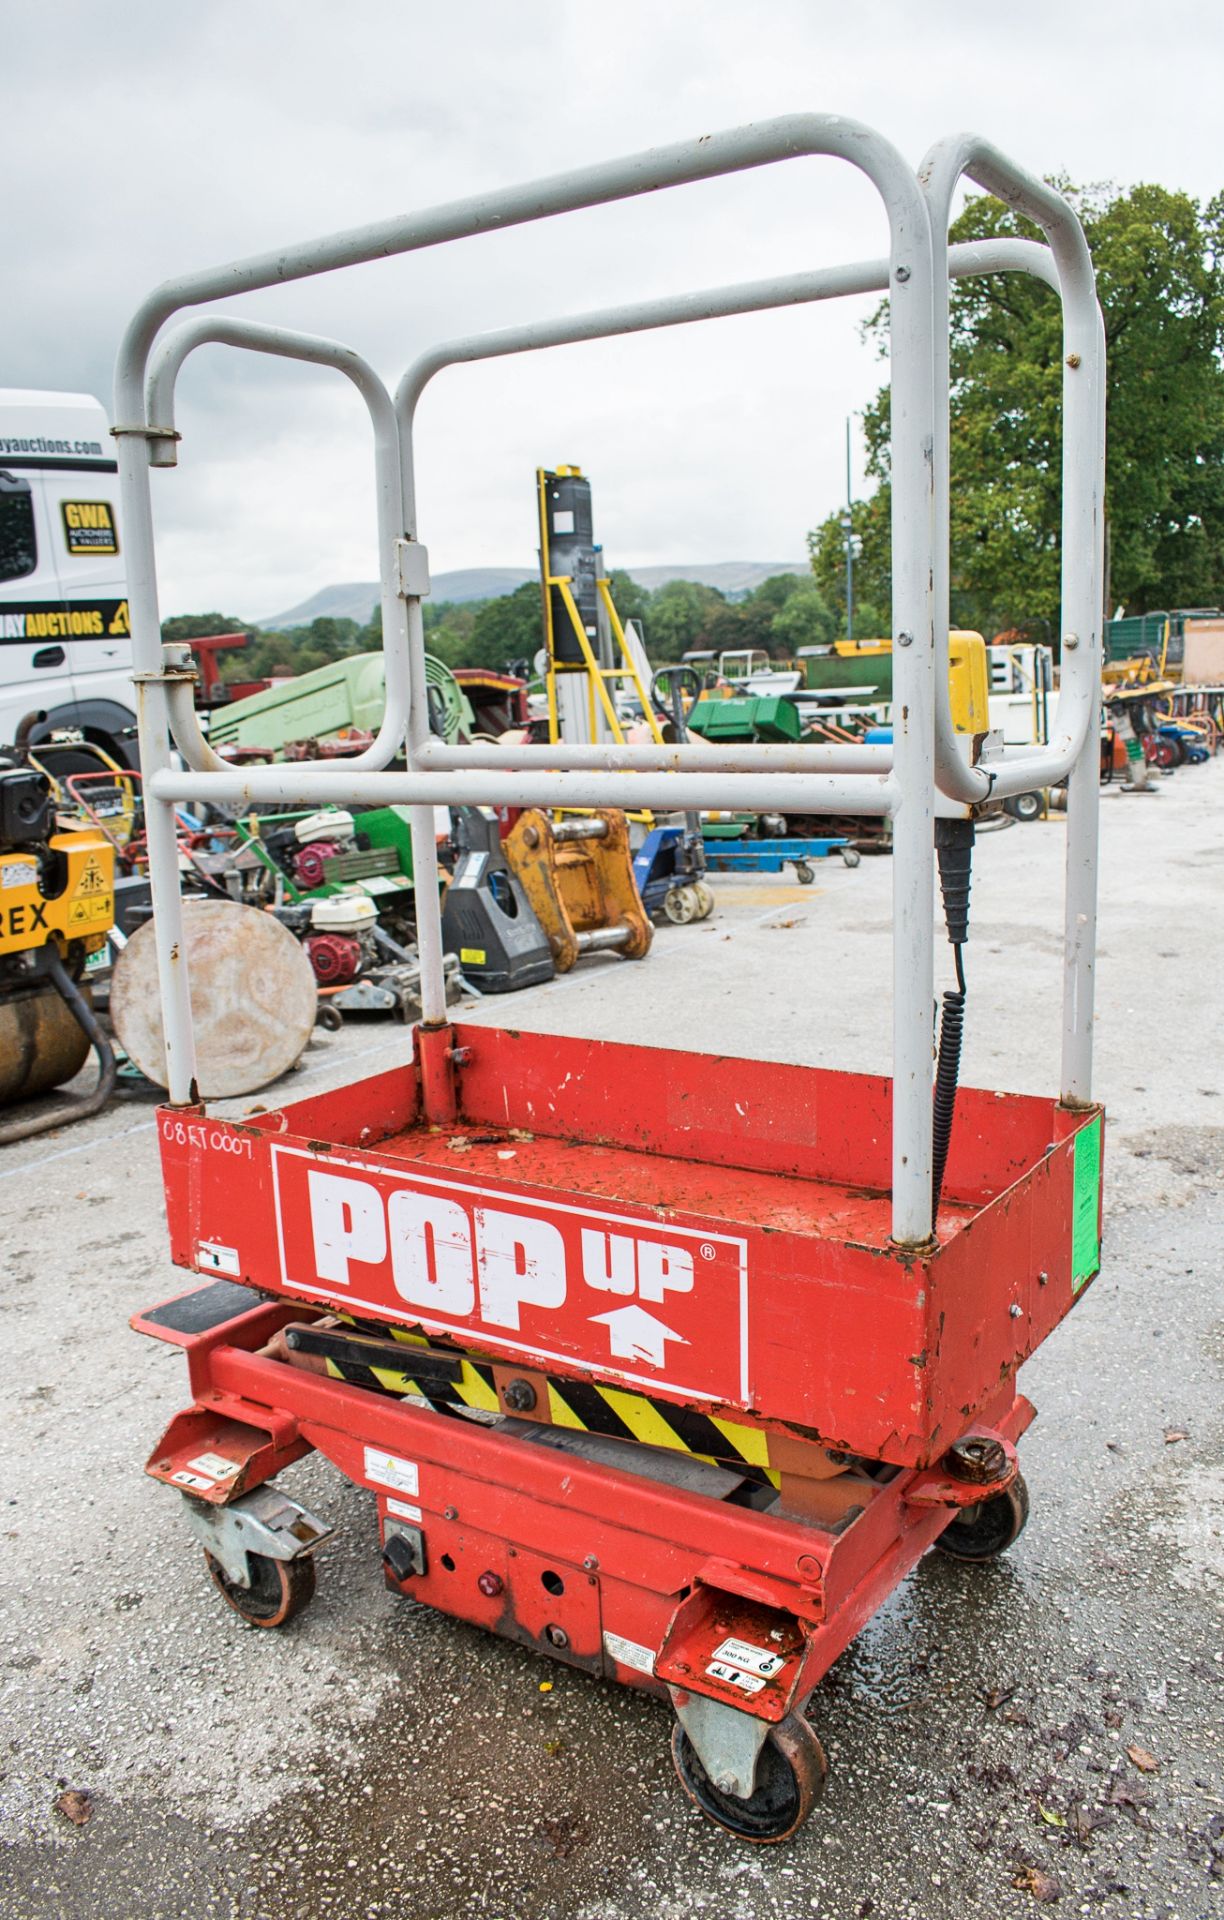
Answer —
57 895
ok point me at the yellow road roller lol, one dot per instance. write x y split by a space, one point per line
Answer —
57 899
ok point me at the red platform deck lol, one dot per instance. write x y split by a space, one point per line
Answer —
707 1230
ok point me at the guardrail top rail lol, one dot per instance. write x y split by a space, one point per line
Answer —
901 783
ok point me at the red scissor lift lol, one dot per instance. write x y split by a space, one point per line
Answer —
635 1347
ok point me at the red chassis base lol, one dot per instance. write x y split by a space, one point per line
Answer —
606 1568
856 1400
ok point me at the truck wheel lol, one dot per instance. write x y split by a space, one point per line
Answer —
791 1774
279 1589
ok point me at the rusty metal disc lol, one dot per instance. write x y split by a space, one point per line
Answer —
253 998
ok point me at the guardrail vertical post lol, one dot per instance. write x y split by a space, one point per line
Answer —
913 523
153 717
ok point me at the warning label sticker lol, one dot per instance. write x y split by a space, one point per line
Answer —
215 1465
18 873
629 1653
92 877
731 1676
84 913
388 1470
753 1659
404 1510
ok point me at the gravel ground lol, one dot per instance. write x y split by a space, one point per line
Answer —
1045 1728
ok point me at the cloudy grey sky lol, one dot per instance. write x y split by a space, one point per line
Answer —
152 136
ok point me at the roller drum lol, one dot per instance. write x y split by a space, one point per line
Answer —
41 1045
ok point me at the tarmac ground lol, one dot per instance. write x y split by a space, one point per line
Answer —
1046 1729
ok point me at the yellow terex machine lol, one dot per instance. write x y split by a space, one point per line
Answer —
583 633
57 896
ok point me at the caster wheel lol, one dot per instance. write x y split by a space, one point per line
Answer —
279 1589
681 905
329 1018
982 1533
705 897
1026 806
851 857
791 1775
804 874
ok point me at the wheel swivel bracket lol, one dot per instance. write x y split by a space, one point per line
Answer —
265 1522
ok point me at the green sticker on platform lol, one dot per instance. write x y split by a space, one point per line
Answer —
1086 1204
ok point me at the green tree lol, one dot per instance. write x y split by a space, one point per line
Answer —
679 617
804 619
194 626
631 601
871 531
448 629
511 628
1159 258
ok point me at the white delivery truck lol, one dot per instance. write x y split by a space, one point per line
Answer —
65 639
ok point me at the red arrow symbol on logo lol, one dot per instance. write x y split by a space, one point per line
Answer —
637 1335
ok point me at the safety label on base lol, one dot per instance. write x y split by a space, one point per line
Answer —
215 1465
731 1676
628 1653
388 1470
211 1258
749 1658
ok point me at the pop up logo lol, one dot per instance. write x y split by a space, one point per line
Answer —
537 1276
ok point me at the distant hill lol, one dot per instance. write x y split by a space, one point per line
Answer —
356 599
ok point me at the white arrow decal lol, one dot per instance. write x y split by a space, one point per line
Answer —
637 1335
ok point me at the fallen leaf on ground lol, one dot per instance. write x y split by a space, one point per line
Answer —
562 1834
1051 1818
76 1805
1086 1820
1174 1434
1134 1805
1141 1758
1035 1880
999 1696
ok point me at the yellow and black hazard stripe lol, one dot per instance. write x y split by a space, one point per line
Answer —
472 1387
585 1406
594 1407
